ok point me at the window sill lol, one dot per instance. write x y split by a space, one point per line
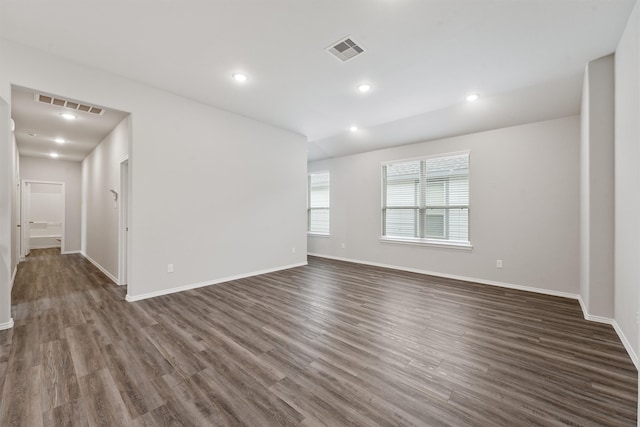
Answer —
312 234
428 242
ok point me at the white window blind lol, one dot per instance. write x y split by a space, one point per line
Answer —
318 203
427 199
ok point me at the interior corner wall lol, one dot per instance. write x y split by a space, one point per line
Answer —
215 194
524 206
627 177
584 190
597 189
40 169
100 174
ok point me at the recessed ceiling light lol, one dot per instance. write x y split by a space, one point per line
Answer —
239 77
364 87
60 140
68 116
472 97
353 128
54 155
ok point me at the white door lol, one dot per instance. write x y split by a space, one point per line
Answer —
26 229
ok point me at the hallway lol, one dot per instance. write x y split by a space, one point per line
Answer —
59 305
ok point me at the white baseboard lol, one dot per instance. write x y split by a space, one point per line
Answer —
585 313
71 252
591 317
456 277
13 277
6 325
626 343
133 298
99 267
623 338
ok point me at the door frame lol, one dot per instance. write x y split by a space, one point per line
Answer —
123 223
24 220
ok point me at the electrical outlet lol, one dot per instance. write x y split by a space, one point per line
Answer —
343 246
498 263
638 318
169 268
293 250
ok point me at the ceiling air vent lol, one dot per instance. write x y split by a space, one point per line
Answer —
345 49
52 100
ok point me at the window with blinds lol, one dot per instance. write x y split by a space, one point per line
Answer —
318 203
427 200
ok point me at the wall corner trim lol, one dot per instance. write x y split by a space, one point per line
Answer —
99 267
591 317
134 298
6 325
626 343
623 338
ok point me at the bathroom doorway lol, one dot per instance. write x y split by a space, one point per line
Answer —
42 222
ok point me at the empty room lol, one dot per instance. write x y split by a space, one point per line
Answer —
304 213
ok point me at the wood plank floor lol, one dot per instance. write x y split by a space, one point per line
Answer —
332 343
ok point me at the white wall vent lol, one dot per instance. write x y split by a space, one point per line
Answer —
53 100
345 49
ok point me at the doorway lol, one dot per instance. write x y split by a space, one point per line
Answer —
53 135
42 216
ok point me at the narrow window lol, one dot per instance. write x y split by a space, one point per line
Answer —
318 203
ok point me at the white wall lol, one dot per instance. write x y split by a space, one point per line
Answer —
627 178
39 169
101 173
228 193
214 193
7 253
596 189
524 208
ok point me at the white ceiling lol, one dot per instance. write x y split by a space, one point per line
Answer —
422 57
38 124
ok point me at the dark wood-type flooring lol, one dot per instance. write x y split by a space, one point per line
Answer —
332 343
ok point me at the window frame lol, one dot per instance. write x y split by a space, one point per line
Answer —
421 209
309 208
